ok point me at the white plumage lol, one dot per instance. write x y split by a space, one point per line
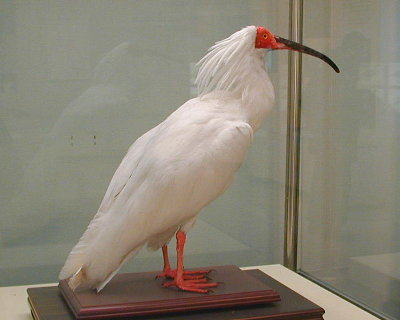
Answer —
174 170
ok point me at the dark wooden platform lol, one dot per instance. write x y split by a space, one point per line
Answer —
138 294
48 304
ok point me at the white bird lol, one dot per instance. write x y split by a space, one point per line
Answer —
177 168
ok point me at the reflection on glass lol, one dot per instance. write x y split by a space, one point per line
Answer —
80 81
350 152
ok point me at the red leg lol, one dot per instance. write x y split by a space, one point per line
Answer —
180 281
167 265
170 273
167 271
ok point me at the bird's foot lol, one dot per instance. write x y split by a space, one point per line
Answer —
196 285
187 275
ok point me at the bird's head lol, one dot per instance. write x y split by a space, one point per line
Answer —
265 39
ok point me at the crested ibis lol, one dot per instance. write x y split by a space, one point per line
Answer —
177 168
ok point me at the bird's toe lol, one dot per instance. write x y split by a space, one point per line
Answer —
195 285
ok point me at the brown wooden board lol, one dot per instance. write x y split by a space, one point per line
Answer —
48 304
138 294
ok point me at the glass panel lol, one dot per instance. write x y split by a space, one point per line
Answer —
80 81
350 219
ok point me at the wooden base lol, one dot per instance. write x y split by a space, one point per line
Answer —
47 304
139 294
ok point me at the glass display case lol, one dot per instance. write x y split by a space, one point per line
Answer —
350 218
81 80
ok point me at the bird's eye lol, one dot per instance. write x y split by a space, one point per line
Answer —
265 36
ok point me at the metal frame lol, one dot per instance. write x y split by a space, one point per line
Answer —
293 138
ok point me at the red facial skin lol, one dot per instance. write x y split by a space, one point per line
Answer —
266 40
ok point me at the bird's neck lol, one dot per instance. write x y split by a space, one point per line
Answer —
251 89
257 92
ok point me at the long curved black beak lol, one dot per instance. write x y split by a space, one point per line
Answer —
291 45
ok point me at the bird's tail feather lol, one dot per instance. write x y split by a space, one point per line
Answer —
76 258
102 284
78 279
81 281
101 252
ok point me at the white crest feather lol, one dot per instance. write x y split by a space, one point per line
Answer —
220 67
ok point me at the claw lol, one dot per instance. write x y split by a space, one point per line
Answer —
187 275
199 286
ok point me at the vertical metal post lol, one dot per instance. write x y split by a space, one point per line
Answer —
293 138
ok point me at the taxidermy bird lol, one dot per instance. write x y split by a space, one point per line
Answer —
177 168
